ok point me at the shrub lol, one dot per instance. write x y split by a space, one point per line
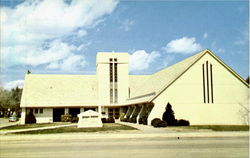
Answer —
158 123
104 120
143 120
155 121
122 116
74 119
125 120
140 120
110 120
66 118
30 118
162 124
132 120
182 122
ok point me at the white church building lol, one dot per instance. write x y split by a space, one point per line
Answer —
201 89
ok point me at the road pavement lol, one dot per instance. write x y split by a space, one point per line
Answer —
127 146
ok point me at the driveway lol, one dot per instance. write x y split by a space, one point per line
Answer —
4 122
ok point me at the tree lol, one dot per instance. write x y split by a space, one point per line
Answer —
10 100
15 98
4 100
168 116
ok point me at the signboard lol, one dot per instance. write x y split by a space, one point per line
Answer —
88 119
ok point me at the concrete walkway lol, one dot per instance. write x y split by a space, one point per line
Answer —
145 128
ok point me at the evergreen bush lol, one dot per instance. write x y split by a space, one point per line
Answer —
30 118
168 116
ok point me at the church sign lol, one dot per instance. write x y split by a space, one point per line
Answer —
89 118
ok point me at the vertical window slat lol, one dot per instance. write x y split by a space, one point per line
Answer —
204 88
207 82
211 76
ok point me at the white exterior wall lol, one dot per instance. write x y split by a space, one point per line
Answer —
102 73
122 83
186 97
103 78
45 117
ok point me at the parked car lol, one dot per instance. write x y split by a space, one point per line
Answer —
13 118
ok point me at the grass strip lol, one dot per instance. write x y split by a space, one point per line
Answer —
220 127
107 127
36 125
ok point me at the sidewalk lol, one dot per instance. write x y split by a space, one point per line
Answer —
144 128
119 135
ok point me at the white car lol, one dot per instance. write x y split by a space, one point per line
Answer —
13 118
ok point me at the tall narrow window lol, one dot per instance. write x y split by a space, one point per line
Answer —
208 89
116 79
204 88
111 72
111 96
207 82
211 77
116 95
111 79
116 72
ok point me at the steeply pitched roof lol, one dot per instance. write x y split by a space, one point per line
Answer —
159 81
162 78
136 80
59 90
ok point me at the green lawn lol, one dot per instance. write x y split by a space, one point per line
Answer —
216 127
107 127
37 125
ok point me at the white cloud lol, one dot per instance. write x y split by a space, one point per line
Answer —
183 45
26 28
127 24
81 33
141 60
73 62
57 51
205 35
14 84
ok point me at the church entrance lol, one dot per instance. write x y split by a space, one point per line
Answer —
57 113
74 111
114 113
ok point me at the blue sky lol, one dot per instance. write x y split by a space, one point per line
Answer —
63 37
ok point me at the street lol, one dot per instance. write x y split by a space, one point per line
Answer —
156 147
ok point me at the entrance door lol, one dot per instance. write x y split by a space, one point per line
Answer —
114 113
57 113
74 111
